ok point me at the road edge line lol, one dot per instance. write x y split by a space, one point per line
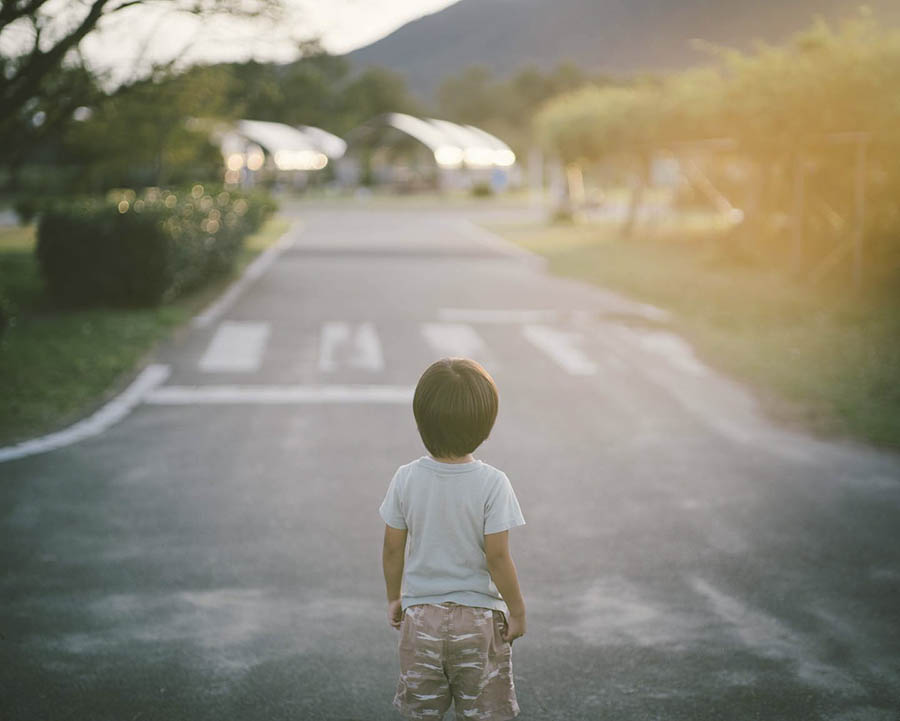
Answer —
501 244
108 415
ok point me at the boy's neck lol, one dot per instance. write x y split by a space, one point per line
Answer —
468 458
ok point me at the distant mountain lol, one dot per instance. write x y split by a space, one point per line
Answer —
614 36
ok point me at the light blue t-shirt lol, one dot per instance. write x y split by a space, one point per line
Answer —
448 508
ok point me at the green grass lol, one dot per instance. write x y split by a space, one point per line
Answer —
820 358
57 366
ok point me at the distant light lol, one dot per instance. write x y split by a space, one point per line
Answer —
235 161
123 206
82 113
37 120
255 159
479 157
504 158
300 160
449 156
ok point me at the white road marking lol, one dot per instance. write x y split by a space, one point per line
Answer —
454 339
278 394
559 345
364 354
673 348
253 271
479 315
236 347
500 244
110 414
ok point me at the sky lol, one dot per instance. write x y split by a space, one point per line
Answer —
127 44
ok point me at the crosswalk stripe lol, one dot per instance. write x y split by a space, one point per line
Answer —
559 345
236 347
497 315
365 347
454 339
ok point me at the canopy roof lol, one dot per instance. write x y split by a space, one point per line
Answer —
279 136
300 148
451 143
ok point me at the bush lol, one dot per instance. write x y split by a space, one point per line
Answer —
128 250
482 190
26 208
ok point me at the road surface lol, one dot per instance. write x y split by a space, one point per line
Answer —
216 554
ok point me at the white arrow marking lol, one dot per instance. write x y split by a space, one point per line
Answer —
365 352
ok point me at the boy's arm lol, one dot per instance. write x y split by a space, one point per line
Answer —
503 572
392 557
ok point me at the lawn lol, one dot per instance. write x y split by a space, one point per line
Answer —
57 366
820 357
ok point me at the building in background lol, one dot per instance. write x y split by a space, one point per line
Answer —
410 154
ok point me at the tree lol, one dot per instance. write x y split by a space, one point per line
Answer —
142 135
48 67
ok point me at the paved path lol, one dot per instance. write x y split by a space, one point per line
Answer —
216 555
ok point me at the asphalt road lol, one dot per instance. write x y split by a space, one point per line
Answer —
683 557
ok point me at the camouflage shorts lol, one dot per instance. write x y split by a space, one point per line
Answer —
450 652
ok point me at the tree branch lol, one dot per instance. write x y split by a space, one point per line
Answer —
10 10
25 82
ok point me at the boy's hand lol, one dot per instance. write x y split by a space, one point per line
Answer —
515 627
395 613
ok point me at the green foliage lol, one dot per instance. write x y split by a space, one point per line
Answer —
791 112
318 89
505 106
56 365
142 134
136 251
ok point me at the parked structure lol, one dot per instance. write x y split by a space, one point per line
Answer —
255 148
412 153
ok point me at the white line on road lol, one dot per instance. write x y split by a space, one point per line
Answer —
454 339
253 271
560 347
500 244
365 352
480 315
236 347
108 415
279 394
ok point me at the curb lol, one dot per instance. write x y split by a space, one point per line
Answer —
110 414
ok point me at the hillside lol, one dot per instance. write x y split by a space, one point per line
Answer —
614 36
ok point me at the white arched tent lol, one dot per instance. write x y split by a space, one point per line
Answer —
250 146
457 155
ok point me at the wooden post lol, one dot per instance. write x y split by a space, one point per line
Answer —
536 177
860 211
799 172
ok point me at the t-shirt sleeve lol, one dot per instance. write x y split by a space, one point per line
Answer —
501 511
391 509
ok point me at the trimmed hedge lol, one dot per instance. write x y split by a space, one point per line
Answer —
130 250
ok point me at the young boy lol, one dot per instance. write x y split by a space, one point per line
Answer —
461 607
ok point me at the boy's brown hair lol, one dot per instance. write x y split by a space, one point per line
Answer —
455 406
